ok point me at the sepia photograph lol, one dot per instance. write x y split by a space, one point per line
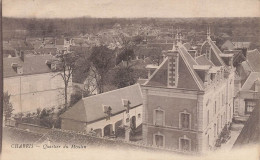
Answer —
130 79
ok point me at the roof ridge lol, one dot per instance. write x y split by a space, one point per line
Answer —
109 91
217 55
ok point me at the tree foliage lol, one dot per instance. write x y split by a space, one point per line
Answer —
124 77
102 60
8 107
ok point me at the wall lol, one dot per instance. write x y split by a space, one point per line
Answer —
223 93
172 102
68 124
33 128
100 124
30 92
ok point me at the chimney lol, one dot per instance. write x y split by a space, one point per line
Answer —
22 55
173 67
48 63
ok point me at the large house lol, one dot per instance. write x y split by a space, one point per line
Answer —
188 100
105 113
32 83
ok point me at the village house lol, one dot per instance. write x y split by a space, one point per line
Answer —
32 82
105 113
188 100
248 88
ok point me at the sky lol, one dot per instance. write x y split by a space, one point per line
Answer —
130 8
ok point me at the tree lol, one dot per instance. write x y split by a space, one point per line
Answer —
102 60
156 55
7 106
127 54
66 65
124 77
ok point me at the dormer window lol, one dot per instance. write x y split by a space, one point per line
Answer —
126 104
48 63
108 111
18 68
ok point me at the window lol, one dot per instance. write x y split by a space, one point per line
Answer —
159 117
127 120
158 139
185 120
139 115
184 144
249 106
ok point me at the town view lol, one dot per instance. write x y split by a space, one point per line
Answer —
181 85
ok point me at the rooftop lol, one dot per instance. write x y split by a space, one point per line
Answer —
33 64
91 108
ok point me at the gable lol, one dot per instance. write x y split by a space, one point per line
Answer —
76 112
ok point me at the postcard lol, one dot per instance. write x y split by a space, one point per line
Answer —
114 79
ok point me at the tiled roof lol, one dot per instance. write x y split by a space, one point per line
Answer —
17 135
250 81
31 65
91 108
253 58
202 60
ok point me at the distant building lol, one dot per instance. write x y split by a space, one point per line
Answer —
105 113
188 101
229 45
32 83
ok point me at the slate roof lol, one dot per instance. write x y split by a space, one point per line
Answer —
91 108
21 45
31 65
253 58
217 52
250 133
228 45
250 81
202 60
51 51
242 44
188 78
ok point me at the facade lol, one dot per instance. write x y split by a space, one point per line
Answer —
32 84
188 100
248 88
105 113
